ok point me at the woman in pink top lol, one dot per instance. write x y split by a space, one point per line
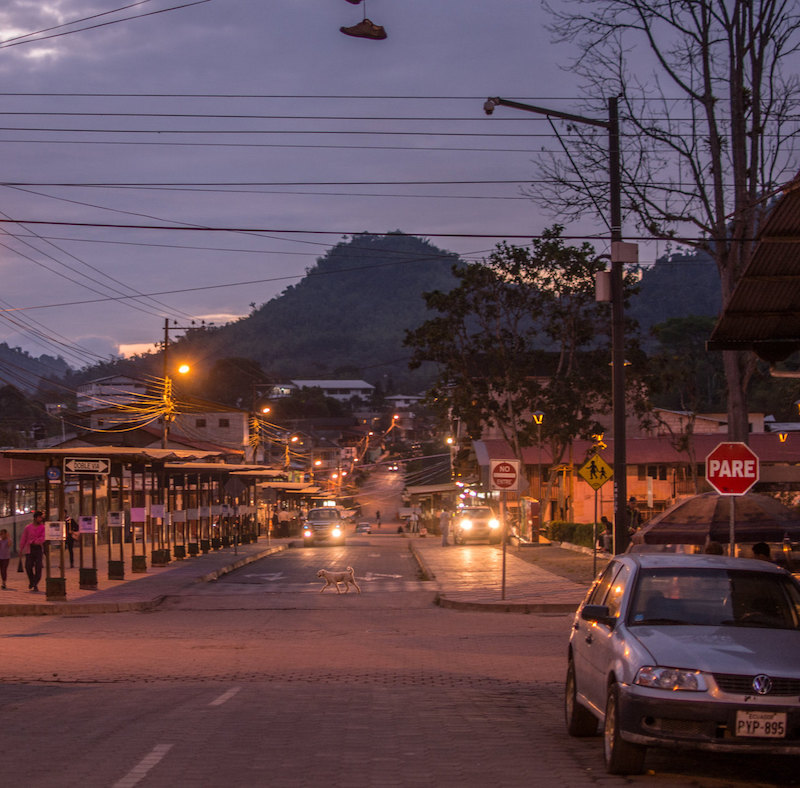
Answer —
31 545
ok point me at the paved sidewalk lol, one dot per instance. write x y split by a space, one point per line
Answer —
465 577
472 579
141 591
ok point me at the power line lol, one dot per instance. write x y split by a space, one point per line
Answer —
339 232
28 38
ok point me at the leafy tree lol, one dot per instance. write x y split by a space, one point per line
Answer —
708 103
684 377
521 332
21 415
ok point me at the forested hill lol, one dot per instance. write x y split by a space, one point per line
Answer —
347 317
24 371
678 285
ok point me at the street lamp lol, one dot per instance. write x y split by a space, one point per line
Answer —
538 417
620 253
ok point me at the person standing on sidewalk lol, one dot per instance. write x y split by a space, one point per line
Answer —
72 534
444 525
31 545
5 555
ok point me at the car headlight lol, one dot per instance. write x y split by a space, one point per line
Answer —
337 531
466 525
672 679
306 533
494 523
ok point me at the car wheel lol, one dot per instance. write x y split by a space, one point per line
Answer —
621 757
580 721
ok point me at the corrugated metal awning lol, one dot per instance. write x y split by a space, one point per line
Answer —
763 312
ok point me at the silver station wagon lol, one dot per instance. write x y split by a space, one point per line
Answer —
686 651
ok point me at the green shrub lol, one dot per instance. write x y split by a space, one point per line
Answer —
574 533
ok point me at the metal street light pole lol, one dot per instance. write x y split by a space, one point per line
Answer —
538 417
617 309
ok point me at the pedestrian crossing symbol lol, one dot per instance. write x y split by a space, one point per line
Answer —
596 471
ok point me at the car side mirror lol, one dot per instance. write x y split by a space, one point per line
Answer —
598 613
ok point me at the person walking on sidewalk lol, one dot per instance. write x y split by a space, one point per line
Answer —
444 525
5 555
31 545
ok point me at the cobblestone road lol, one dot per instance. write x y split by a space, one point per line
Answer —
366 692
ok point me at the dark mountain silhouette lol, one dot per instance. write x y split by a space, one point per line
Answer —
348 316
25 372
345 319
680 284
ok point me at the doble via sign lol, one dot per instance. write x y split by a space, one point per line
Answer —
83 465
732 468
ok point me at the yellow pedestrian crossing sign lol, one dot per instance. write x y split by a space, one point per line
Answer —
596 471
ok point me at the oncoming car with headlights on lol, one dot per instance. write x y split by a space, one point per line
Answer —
323 524
475 523
686 651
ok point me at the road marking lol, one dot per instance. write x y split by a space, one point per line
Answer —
226 696
271 576
373 575
139 771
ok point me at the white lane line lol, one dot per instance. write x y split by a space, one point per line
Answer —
140 770
226 696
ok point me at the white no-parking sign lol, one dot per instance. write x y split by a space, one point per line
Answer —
504 474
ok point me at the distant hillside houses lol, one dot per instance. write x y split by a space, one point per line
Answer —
342 390
111 391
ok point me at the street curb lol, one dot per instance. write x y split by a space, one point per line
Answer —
426 573
78 608
504 607
210 577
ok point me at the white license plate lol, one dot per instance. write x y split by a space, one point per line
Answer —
764 724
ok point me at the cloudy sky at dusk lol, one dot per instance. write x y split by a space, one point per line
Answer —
125 140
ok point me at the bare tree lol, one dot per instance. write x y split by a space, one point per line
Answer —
708 112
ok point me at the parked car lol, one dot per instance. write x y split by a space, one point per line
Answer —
686 651
475 523
323 524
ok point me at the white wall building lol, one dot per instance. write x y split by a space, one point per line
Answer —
110 391
342 390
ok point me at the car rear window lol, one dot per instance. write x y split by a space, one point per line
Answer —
715 597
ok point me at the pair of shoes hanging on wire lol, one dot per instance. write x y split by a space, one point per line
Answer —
364 29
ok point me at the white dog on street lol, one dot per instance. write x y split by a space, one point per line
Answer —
348 577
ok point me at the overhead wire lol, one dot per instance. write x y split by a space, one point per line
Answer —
28 37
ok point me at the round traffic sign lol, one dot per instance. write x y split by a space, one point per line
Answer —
504 475
732 468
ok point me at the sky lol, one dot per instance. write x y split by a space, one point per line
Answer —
129 137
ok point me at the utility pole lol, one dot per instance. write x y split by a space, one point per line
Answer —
620 253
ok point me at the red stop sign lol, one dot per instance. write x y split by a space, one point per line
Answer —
732 468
